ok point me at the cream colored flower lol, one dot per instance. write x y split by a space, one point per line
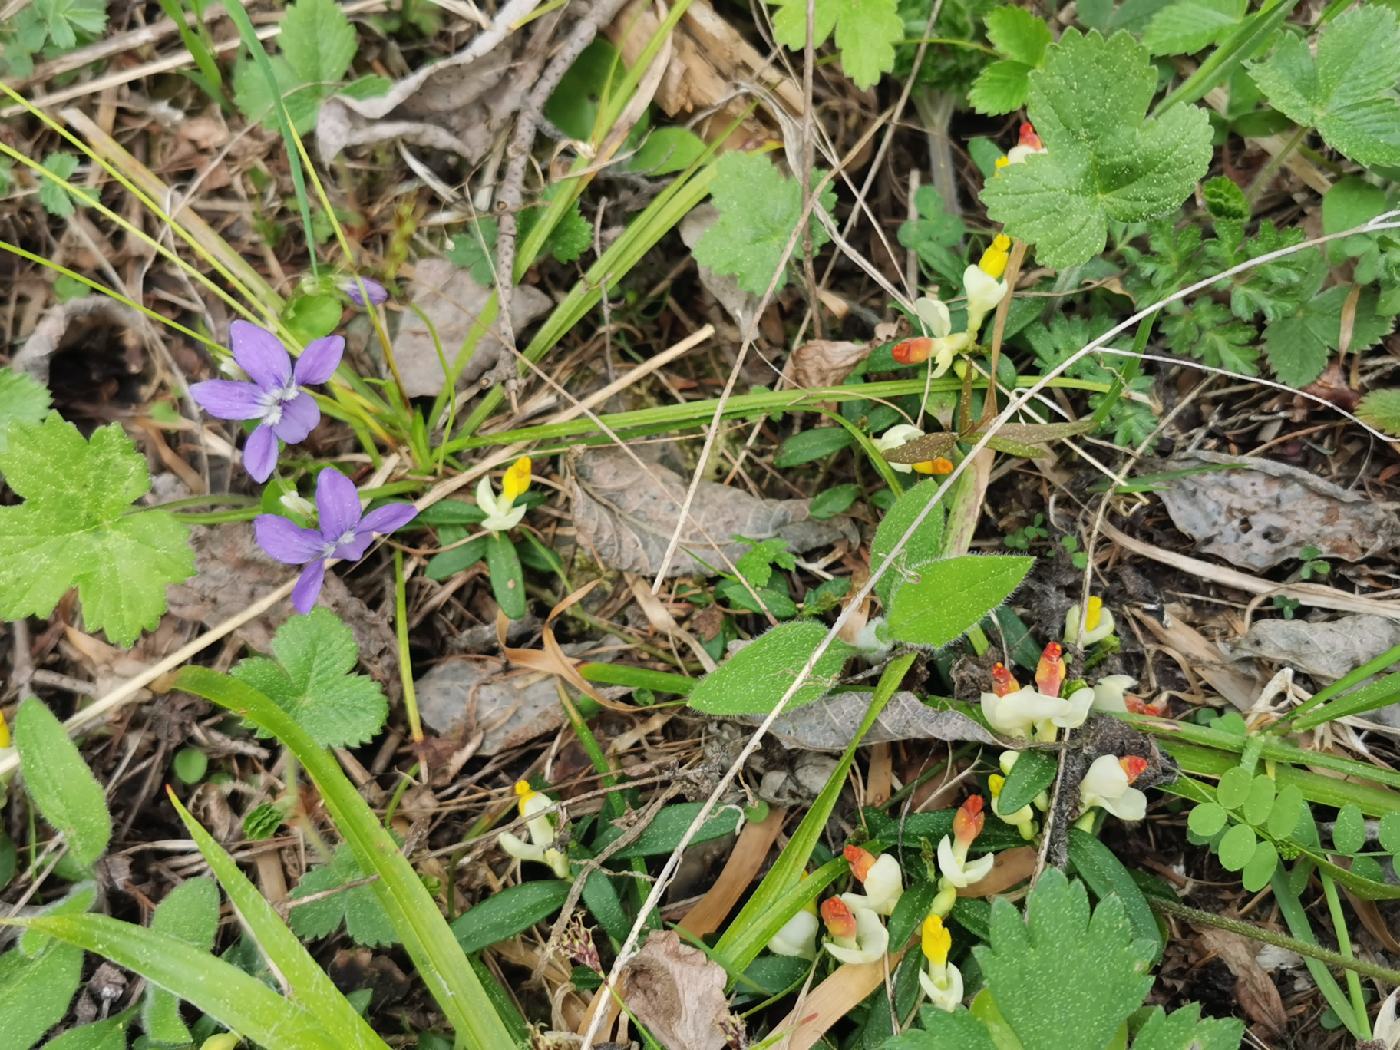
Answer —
1097 622
941 980
1030 713
1386 1030
1109 785
855 936
881 878
540 849
934 315
798 937
501 513
1109 692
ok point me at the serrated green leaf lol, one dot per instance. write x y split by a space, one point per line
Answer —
1224 199
190 913
354 905
474 251
54 197
1000 88
318 41
924 545
74 529
935 235
1346 92
866 33
958 1030
1018 34
64 19
941 599
1106 876
60 784
312 680
753 680
1298 347
1236 847
1184 1029
256 101
23 400
758 210
1105 159
1188 26
1062 977
35 993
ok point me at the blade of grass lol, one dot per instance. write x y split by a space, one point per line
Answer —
233 998
1340 686
306 983
426 936
1244 42
1297 918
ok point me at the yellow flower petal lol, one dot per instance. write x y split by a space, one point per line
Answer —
936 940
525 792
517 480
994 259
4 732
1094 613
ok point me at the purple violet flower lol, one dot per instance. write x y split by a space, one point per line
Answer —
344 531
275 396
378 294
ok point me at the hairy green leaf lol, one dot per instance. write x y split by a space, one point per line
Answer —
866 33
60 784
23 400
35 992
753 680
940 600
347 898
1187 26
189 912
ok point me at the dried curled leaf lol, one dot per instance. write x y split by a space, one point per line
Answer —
830 723
678 995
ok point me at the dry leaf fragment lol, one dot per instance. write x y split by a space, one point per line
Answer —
677 994
1261 513
1325 649
452 301
509 708
830 724
626 515
1257 994
824 362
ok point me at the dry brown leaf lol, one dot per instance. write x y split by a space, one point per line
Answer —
1324 649
232 572
626 516
677 994
833 999
830 723
452 301
1257 994
824 362
1262 513
746 858
509 708
1199 656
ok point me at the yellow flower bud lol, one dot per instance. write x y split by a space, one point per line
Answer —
1093 613
936 940
4 732
994 259
517 480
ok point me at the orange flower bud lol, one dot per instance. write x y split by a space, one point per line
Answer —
860 861
937 466
968 821
913 351
1050 672
1028 136
1133 766
838 919
1003 683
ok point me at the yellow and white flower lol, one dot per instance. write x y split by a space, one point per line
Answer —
942 981
934 315
983 284
501 513
798 937
881 877
1109 785
534 808
855 936
1096 620
955 870
1035 710
1110 693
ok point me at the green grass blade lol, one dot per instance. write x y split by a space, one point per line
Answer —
307 984
1297 918
1254 33
426 936
781 893
237 1001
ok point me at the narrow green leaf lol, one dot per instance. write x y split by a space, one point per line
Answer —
666 829
60 784
1033 772
507 578
509 912
942 599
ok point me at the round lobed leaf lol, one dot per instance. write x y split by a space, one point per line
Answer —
1349 830
1260 801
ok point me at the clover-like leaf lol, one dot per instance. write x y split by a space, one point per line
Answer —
312 680
1347 91
1104 159
1062 976
77 527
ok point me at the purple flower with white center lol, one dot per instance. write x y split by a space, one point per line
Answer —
377 293
344 531
275 397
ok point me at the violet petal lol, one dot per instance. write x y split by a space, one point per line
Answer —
299 417
355 549
229 399
337 504
260 453
378 294
318 361
286 541
308 586
388 518
260 354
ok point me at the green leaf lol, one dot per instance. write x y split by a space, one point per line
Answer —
666 151
1105 874
833 501
64 19
1001 87
475 251
101 1035
240 1002
1349 829
35 992
450 562
312 680
1033 772
1018 34
1188 26
256 101
507 578
866 32
958 1030
312 316
1184 1029
189 765
1288 810
807 446
1237 847
1259 869
758 208
1390 832
1106 160
1234 787
1207 820
54 197
1062 977
753 680
1346 92
189 912
317 41
1224 199
74 528
935 235
60 784
1298 347
1259 801
23 400
667 828
344 902
941 599
513 910
924 545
